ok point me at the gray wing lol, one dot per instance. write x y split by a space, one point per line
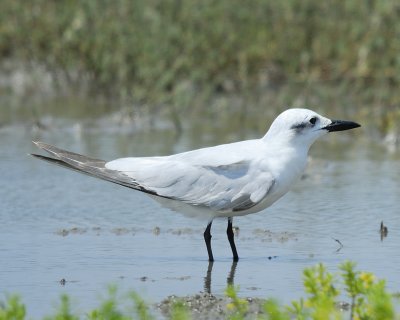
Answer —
83 164
236 188
230 187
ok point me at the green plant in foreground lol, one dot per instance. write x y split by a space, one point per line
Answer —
141 308
237 308
318 283
64 310
369 299
275 312
110 308
12 309
320 303
179 311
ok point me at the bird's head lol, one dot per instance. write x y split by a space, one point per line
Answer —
304 126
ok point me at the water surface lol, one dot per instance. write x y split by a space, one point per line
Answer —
56 224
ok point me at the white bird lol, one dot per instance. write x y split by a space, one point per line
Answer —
222 181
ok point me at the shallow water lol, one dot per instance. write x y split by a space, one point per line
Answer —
56 224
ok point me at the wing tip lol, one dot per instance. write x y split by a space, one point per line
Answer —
38 156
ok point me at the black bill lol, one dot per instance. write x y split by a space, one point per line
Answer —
341 125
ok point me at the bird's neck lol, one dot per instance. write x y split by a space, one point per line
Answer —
289 159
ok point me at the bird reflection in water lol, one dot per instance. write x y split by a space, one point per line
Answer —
229 280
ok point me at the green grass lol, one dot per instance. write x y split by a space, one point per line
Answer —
178 59
367 296
157 50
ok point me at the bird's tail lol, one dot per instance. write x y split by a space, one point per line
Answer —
83 164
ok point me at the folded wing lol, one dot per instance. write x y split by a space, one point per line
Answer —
229 186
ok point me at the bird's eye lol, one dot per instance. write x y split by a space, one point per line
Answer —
313 120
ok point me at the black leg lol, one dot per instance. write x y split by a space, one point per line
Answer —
207 238
231 238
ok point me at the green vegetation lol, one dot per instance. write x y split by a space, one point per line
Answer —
182 58
369 300
157 50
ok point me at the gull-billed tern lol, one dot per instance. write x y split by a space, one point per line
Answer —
227 180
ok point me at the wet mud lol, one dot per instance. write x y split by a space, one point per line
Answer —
263 235
208 306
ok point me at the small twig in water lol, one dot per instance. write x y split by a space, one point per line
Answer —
384 231
341 245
